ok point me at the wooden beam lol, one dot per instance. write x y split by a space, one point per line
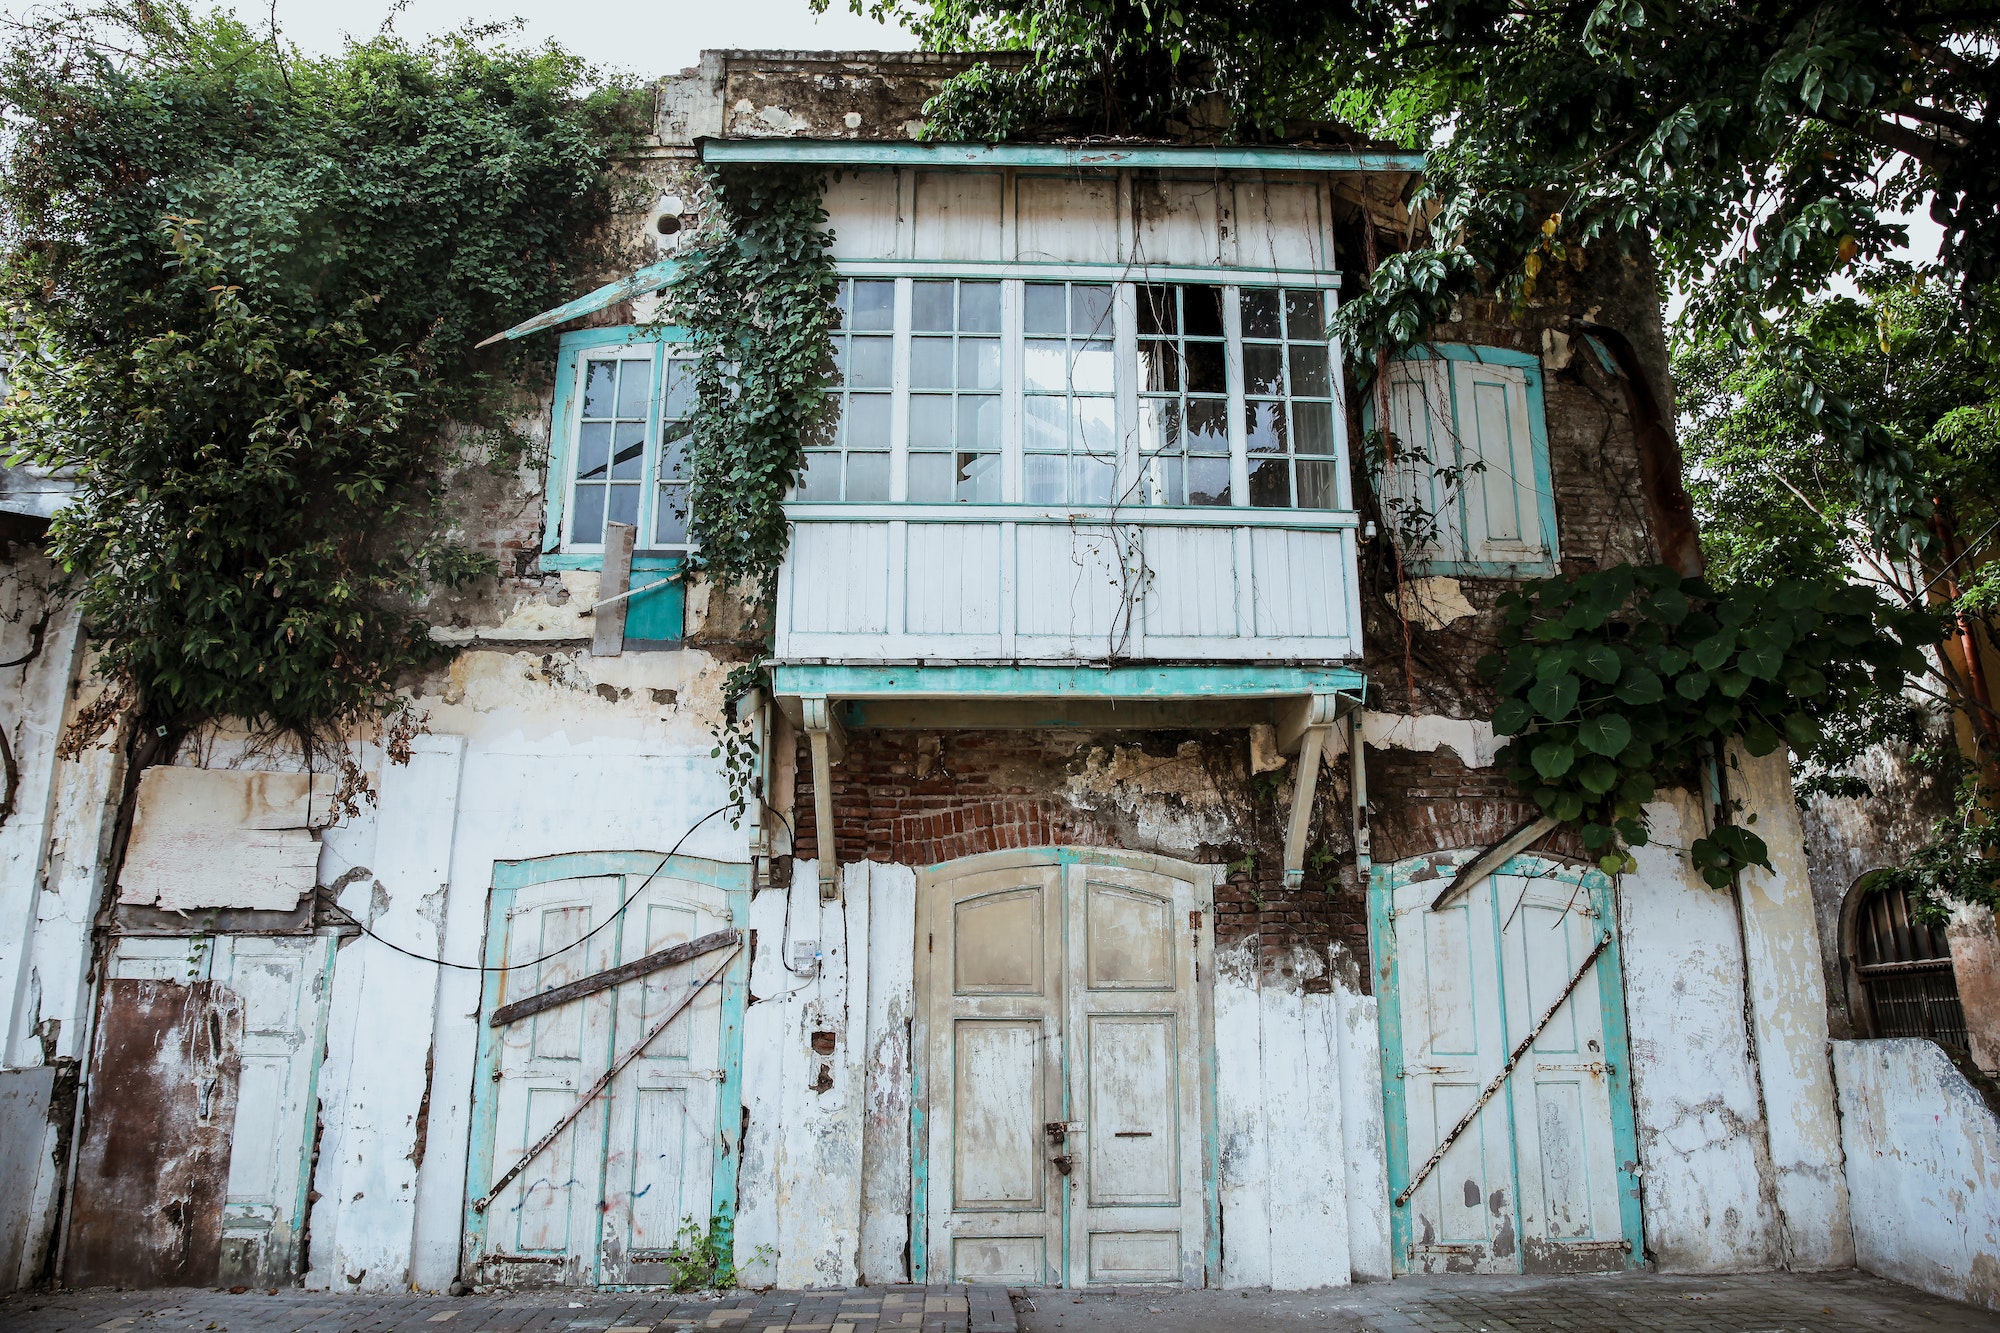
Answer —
612 976
607 635
1490 860
1311 744
1294 717
829 746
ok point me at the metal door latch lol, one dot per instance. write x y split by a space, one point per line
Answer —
1065 1163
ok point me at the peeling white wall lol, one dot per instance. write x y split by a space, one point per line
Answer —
1709 1205
1923 1169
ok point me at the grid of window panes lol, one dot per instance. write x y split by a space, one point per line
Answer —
850 459
1183 396
676 411
610 478
1288 399
954 392
1069 415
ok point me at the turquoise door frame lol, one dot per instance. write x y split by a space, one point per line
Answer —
635 867
1383 882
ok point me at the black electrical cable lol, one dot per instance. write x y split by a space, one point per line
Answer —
509 967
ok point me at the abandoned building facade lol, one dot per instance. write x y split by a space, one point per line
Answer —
1113 753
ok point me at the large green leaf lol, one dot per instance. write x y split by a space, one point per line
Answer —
1605 734
1555 699
1552 759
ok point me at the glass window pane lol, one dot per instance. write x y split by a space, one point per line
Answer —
825 433
1158 312
600 387
820 480
1090 481
979 363
1045 425
1309 372
979 307
979 478
1090 310
1164 484
874 306
1305 316
930 478
869 363
1208 426
1264 427
1312 428
1205 373
635 386
587 524
1201 310
979 422
1208 481
868 421
1096 426
1042 367
1091 371
930 363
1159 424
930 421
1263 371
1269 483
628 450
673 452
670 518
930 307
680 390
1260 313
1159 367
1316 485
1043 308
593 450
624 506
867 477
1042 478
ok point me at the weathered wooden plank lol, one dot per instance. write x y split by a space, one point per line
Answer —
612 976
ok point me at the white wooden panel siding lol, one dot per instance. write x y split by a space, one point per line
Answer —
862 205
1280 225
958 214
1019 583
1066 218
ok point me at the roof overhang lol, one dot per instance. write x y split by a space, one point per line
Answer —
1079 157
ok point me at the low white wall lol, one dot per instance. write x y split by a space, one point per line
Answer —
1923 1168
25 1141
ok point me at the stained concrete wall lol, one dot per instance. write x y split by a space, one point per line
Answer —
1923 1168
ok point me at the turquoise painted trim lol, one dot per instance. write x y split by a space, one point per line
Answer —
1617 1038
1058 682
576 865
648 279
920 1180
1383 881
1538 446
624 335
485 1084
1071 157
729 1094
1389 1021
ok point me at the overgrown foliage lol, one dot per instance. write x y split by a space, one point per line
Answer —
1616 682
243 288
1959 864
756 291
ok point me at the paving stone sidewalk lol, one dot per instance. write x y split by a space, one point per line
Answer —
954 1309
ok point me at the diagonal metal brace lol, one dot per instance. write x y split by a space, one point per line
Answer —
1603 943
695 988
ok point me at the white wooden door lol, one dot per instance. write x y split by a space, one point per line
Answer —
659 1162
1532 1183
621 1184
543 1226
994 945
1062 1085
1136 1210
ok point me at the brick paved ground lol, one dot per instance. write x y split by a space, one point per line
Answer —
1632 1303
862 1310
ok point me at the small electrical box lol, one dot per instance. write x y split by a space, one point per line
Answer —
805 957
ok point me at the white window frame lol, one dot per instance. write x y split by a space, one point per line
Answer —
655 347
1125 282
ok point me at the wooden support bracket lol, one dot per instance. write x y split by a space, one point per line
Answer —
607 633
1302 727
829 746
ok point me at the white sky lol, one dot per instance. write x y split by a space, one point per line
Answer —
651 39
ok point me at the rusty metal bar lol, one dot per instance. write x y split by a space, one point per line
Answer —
1603 943
480 1204
612 976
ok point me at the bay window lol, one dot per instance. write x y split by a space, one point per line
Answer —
1076 391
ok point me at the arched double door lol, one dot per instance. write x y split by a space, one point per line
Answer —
1060 1081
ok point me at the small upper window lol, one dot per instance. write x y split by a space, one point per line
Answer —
620 443
1464 474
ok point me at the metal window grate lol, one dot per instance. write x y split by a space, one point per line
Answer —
1906 968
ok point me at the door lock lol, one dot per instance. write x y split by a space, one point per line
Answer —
1057 1131
1065 1163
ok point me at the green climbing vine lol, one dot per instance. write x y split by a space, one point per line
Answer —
756 293
1614 683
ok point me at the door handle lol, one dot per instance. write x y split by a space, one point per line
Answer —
1133 1134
